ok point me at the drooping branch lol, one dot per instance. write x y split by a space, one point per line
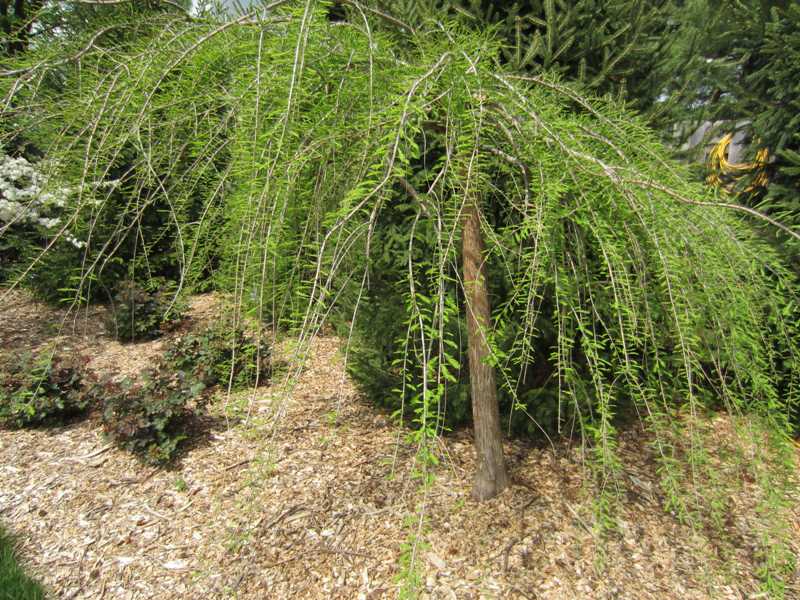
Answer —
51 65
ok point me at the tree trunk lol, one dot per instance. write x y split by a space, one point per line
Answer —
491 477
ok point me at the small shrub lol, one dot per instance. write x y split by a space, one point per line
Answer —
149 418
142 313
43 389
219 355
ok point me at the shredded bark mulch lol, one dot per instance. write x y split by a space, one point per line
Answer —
306 491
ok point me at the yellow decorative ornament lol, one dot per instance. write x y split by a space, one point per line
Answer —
727 174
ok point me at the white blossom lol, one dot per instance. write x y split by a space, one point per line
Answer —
26 200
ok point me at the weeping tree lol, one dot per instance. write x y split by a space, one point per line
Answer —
311 169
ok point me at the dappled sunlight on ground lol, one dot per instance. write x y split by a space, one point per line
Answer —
305 491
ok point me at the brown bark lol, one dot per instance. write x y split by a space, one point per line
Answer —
491 477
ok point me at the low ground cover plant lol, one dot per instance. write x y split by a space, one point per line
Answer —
44 388
219 355
152 416
14 583
149 418
143 312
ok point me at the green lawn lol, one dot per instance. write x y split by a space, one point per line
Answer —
14 584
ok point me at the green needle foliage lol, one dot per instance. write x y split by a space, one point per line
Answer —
774 106
284 150
736 66
616 47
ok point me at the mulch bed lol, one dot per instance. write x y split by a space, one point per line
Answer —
306 491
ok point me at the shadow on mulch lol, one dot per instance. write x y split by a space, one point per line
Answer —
200 431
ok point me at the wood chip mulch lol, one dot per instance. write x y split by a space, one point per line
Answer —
307 492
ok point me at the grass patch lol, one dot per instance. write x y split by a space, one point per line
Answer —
14 583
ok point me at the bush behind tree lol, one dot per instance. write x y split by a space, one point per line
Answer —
46 388
620 48
153 414
141 313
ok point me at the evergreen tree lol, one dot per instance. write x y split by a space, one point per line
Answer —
612 47
26 22
773 105
16 22
737 65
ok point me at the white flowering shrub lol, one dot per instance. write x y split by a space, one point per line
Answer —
43 229
47 222
27 199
